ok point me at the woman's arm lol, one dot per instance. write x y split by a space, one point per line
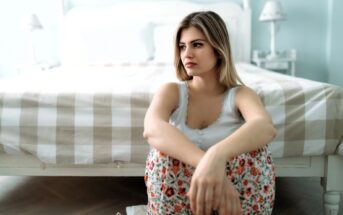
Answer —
163 136
210 186
256 132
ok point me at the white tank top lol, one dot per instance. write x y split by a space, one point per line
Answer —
228 121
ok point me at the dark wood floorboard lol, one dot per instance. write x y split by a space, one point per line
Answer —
106 195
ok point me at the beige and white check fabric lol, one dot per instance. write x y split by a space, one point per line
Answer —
307 114
95 115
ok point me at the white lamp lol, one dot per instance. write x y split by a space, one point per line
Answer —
30 23
272 12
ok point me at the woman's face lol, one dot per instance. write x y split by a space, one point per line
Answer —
197 55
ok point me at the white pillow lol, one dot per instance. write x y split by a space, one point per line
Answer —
100 40
164 43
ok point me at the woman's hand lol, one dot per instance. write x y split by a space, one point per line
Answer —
211 189
229 202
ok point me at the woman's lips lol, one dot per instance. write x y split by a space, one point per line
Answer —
190 65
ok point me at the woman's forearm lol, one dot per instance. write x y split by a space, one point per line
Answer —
250 136
169 140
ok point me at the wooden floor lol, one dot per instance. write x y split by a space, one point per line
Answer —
106 195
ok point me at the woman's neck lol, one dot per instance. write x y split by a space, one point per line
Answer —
206 85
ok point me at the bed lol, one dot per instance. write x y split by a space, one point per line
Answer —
85 118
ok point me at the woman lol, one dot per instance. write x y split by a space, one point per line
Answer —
209 134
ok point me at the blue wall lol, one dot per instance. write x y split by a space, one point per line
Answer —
335 44
311 27
305 29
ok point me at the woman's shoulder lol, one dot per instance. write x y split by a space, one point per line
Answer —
242 89
169 91
239 91
169 88
246 95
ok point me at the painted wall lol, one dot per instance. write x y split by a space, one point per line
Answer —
335 44
310 28
15 45
305 29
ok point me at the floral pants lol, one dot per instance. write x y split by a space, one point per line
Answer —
168 180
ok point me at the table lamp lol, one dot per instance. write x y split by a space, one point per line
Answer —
31 23
272 12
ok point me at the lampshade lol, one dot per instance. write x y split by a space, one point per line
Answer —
30 22
272 11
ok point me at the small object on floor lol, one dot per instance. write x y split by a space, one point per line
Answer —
136 210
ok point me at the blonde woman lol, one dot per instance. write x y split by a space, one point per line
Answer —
209 134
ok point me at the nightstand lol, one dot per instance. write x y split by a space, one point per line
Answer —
284 62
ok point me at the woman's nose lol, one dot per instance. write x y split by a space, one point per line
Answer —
188 52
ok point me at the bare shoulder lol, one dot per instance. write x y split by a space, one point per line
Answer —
170 86
170 90
250 104
244 92
167 95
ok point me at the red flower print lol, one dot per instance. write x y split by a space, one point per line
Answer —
176 162
187 172
182 191
248 192
245 182
151 165
170 192
266 188
176 169
253 153
177 208
240 170
168 179
254 171
255 207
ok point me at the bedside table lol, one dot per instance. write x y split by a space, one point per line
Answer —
285 61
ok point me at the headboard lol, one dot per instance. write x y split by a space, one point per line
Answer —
139 31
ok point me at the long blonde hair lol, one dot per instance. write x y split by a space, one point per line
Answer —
214 29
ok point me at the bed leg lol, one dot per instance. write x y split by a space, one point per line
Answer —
332 184
331 202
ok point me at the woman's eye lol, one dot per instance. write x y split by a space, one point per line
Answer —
197 45
182 47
